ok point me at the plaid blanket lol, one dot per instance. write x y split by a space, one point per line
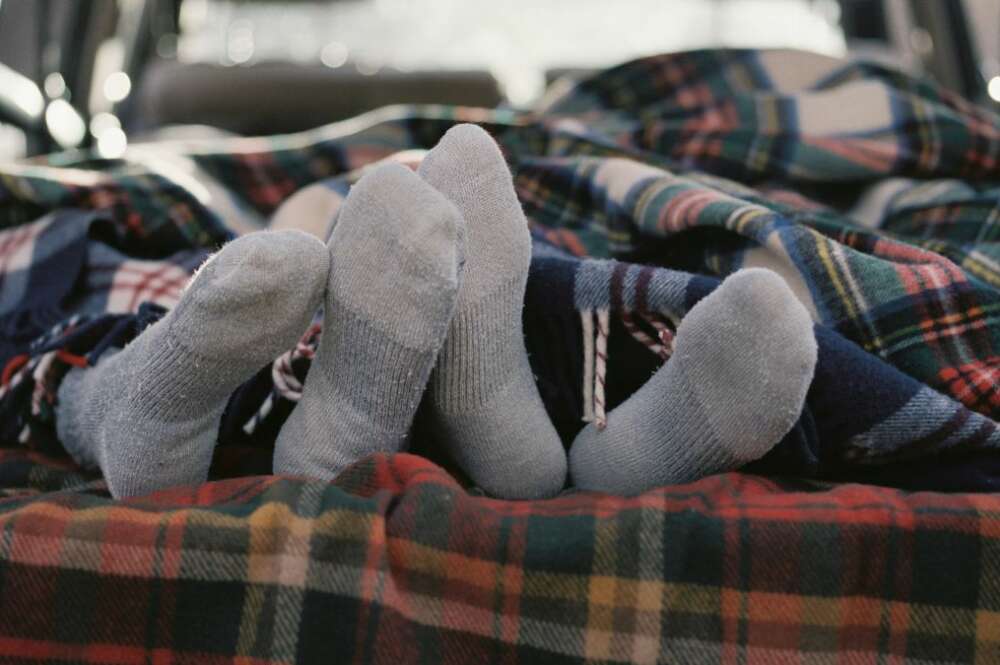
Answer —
644 184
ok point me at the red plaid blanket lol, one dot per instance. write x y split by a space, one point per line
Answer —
395 563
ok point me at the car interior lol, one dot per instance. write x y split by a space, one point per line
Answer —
117 69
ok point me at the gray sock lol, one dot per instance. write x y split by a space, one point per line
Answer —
484 401
396 255
742 364
148 416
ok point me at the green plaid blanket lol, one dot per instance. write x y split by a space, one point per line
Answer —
873 193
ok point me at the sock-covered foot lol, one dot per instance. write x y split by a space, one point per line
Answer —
149 415
742 363
484 400
396 255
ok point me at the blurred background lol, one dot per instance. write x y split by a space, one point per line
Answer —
103 73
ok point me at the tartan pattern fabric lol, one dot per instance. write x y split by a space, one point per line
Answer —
644 184
148 212
396 563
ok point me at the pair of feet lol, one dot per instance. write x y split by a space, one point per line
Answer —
422 286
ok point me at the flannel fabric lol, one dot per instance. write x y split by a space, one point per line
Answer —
396 563
644 185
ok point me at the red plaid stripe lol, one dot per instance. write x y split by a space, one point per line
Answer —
130 283
17 244
975 384
954 327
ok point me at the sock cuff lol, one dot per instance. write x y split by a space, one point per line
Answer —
483 350
378 375
77 422
171 373
415 333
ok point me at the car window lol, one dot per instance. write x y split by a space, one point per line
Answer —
519 42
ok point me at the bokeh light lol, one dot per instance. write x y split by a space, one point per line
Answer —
64 124
993 88
117 86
